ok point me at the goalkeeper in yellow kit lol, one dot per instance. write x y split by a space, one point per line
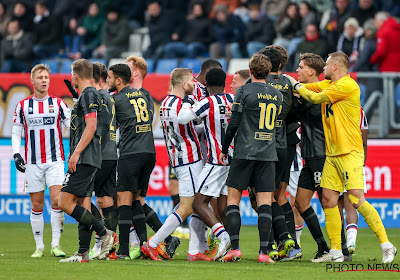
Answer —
340 98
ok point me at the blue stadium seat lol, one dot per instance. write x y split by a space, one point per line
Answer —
66 66
165 66
53 64
194 64
150 65
223 63
397 95
363 93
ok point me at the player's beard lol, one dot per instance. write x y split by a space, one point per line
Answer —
112 88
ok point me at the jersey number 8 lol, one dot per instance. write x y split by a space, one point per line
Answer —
140 106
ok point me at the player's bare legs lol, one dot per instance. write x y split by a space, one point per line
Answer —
37 222
222 204
345 251
298 220
57 220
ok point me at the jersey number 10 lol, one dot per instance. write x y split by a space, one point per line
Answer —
267 116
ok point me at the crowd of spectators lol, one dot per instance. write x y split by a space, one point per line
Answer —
368 31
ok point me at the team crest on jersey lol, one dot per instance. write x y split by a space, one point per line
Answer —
51 108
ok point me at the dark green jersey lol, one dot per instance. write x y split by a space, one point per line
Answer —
87 106
282 84
312 130
150 102
135 122
108 139
259 105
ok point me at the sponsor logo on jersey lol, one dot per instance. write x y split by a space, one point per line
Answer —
41 121
266 96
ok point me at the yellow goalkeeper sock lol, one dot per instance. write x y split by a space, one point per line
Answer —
373 220
334 227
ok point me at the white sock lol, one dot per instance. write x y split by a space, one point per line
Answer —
386 245
219 231
211 234
96 246
37 224
299 230
57 225
171 223
196 234
134 240
351 232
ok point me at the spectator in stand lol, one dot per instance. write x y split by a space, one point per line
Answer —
259 33
227 29
364 11
135 13
230 4
206 4
114 36
242 11
23 15
367 49
16 50
349 40
4 20
319 6
332 22
288 26
275 8
387 53
72 41
312 42
164 26
308 15
196 37
90 30
390 6
47 32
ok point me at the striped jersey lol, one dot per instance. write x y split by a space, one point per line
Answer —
181 140
363 120
215 111
199 91
42 119
297 163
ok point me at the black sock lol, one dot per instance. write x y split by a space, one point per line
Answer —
175 199
84 234
96 213
124 224
233 224
312 222
345 251
264 226
110 218
278 218
83 216
138 221
289 216
271 240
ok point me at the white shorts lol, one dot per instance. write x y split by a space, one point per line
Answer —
188 176
212 180
37 176
293 182
365 184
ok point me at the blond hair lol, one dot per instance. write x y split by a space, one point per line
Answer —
341 59
179 75
83 68
139 63
40 67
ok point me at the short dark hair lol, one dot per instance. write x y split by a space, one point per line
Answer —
274 57
103 70
122 71
216 77
43 4
210 63
153 1
314 61
284 54
96 73
83 68
260 66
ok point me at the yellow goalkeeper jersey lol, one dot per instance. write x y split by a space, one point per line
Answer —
340 116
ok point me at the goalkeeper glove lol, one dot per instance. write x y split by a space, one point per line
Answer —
71 89
19 162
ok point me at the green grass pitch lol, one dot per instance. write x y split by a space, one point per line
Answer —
17 245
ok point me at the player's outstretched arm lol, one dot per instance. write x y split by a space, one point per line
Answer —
186 114
313 97
230 133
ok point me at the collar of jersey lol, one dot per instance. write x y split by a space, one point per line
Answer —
37 99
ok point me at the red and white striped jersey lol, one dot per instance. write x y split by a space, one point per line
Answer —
215 111
182 142
199 91
363 120
42 119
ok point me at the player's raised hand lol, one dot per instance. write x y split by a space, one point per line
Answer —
71 89
223 158
293 81
72 161
19 162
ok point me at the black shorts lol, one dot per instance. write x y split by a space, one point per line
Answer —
105 180
134 173
172 174
310 176
291 153
280 166
244 173
81 182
